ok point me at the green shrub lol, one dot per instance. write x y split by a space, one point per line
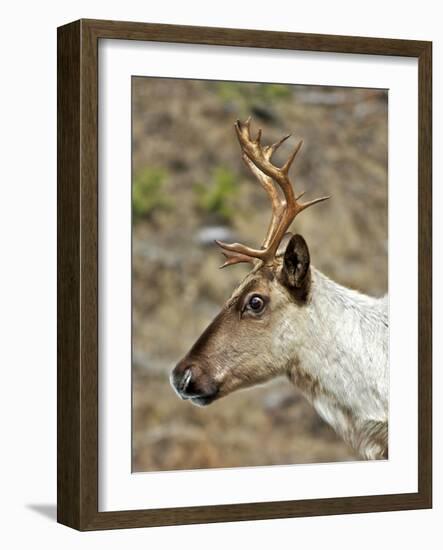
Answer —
215 198
148 192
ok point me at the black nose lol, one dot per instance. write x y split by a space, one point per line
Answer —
184 382
192 381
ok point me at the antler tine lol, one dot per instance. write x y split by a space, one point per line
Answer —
284 210
242 250
233 257
276 203
287 165
269 150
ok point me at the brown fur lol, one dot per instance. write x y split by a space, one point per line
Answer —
307 384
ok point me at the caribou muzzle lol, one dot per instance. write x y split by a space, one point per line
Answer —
191 381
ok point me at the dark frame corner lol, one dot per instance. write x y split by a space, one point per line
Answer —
77 319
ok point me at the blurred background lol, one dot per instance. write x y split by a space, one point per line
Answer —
191 187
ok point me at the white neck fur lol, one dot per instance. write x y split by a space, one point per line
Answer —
342 362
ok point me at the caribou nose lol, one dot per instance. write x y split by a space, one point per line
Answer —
181 378
185 380
191 380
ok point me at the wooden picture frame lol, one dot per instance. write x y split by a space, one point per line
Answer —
77 456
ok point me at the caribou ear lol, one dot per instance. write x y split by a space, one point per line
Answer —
296 263
284 243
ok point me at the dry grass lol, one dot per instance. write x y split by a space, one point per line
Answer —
185 129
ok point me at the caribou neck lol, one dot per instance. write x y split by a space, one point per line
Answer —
341 361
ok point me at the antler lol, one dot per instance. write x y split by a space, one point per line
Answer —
284 209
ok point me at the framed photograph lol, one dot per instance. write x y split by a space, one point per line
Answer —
297 380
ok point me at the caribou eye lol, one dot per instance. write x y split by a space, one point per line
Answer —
256 304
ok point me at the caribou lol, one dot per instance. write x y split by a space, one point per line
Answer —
286 318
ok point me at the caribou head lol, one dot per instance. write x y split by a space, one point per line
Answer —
255 335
